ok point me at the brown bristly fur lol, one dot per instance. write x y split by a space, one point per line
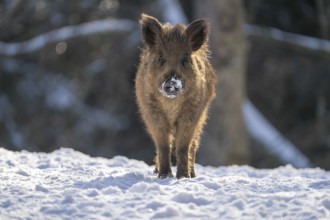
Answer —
175 123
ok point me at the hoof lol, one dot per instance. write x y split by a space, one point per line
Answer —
182 175
165 175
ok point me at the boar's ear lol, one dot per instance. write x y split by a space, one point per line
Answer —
198 33
151 28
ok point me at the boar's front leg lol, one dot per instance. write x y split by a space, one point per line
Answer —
187 137
184 142
159 129
163 157
160 132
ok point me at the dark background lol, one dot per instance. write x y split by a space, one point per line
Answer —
79 92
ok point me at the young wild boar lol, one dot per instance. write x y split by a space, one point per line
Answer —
174 86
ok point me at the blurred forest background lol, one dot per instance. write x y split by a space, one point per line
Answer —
67 72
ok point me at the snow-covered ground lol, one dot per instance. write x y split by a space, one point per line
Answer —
67 184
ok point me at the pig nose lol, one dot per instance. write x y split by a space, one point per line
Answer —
172 86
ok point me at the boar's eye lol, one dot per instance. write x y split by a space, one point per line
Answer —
185 60
161 59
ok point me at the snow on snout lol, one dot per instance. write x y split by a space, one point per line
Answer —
177 82
175 87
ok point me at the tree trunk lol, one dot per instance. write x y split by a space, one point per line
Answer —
225 140
322 11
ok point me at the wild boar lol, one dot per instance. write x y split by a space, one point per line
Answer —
174 85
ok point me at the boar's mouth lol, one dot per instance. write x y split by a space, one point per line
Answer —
171 87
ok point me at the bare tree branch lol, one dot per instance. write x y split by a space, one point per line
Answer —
311 44
260 129
66 33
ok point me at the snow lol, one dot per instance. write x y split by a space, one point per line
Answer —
67 184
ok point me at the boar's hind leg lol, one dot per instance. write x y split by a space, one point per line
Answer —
156 164
195 145
192 157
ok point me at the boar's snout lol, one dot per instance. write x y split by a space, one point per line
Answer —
171 87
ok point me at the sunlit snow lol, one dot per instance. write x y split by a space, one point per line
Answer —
67 184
